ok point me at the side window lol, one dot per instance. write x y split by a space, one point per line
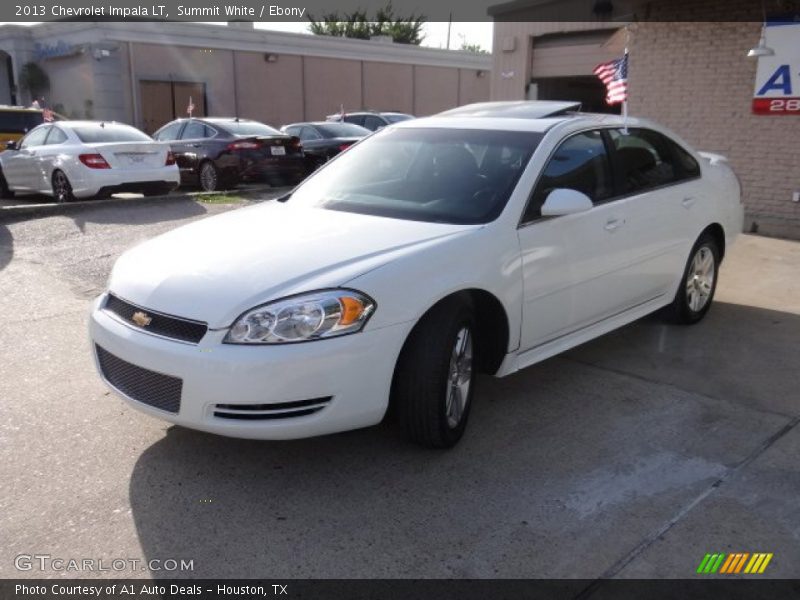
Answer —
644 159
293 130
308 133
357 119
580 163
373 123
196 131
168 133
686 163
35 137
56 137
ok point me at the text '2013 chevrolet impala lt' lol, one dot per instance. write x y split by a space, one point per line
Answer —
484 239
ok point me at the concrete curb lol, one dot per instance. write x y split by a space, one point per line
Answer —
12 214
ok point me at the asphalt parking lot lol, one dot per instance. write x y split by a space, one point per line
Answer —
631 456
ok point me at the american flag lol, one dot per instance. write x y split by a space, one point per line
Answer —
614 75
48 115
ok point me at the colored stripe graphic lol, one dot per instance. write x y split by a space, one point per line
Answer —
735 563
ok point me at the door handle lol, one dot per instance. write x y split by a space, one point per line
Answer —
195 145
688 202
613 224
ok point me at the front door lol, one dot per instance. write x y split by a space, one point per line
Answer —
570 278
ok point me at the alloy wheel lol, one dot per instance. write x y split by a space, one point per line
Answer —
208 177
61 187
459 378
700 279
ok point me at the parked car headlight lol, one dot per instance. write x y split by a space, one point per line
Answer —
313 316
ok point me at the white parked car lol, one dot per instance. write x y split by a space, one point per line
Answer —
83 159
435 249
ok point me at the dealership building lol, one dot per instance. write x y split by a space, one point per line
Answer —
693 76
144 73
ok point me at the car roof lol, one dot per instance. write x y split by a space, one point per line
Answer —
517 109
86 123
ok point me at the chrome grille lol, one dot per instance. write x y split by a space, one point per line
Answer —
261 412
148 387
169 326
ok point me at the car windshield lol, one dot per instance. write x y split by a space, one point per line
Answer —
396 118
333 130
424 174
248 128
105 132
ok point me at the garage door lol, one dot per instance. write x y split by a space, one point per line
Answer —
163 101
565 55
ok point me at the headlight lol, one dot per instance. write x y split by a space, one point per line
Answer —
312 316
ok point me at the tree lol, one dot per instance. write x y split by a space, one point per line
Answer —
34 79
355 25
468 47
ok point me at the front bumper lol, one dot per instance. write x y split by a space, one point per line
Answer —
355 371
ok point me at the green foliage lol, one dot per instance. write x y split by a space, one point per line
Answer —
34 79
476 48
356 25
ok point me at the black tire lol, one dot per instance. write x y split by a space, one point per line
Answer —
62 188
4 191
695 292
208 177
424 378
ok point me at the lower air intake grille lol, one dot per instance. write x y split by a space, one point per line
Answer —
262 412
148 387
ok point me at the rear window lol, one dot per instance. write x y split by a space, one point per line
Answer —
248 128
101 133
342 130
18 121
397 118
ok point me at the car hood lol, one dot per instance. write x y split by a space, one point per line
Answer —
215 269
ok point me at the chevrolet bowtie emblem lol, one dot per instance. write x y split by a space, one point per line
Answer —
142 319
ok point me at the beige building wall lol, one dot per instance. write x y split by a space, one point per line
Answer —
389 86
329 83
696 79
435 89
213 67
269 91
473 86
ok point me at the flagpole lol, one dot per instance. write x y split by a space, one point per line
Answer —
627 66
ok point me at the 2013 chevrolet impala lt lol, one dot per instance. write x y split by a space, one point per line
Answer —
484 239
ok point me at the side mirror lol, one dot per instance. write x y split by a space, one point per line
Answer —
563 201
11 145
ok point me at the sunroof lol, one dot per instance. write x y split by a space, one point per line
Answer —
521 109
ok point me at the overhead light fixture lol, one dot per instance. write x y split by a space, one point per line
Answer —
761 49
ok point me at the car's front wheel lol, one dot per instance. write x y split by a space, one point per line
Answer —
62 188
434 379
699 282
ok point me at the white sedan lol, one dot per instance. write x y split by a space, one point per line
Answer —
437 248
84 159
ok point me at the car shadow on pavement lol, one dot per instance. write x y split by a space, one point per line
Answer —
138 213
596 448
6 246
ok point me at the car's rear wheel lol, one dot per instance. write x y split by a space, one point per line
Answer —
62 188
4 191
208 177
434 379
696 291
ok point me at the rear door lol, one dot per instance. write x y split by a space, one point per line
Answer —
657 200
190 148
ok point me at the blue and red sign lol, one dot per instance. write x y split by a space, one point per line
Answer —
777 90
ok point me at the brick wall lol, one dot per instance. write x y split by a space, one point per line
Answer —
696 79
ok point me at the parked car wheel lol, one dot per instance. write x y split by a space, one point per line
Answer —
434 378
209 177
62 188
699 282
4 191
